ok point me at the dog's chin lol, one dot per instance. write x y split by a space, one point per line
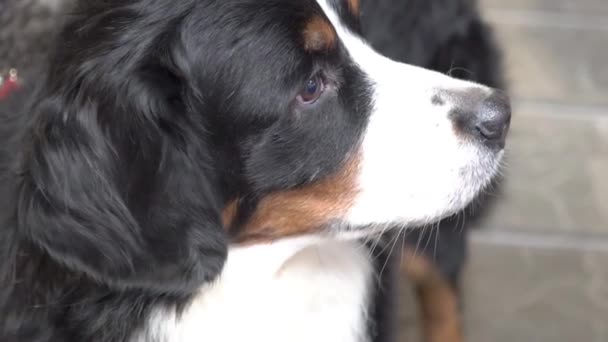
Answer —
473 181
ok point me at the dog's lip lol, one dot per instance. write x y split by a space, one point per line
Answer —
345 231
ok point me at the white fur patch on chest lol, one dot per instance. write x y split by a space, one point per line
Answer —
296 290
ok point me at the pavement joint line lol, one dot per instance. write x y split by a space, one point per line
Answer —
533 107
542 240
547 18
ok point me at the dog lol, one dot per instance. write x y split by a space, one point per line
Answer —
215 170
450 37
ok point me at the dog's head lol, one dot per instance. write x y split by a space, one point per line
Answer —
168 130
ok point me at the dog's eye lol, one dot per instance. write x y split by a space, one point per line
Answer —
312 91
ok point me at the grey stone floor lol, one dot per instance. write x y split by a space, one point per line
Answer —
538 268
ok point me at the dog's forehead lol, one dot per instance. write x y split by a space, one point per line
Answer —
308 19
288 12
345 12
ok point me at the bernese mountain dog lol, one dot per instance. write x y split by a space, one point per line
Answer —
203 170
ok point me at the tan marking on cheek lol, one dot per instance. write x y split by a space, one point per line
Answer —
303 210
229 214
354 7
437 299
319 35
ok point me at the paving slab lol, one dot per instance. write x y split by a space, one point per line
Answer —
556 173
536 294
555 63
528 294
576 6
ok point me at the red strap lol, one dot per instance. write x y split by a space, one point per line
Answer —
8 87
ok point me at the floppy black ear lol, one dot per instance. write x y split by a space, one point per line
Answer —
117 181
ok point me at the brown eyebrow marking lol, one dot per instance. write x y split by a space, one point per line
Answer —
319 34
354 7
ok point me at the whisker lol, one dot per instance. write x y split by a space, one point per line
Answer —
436 231
390 252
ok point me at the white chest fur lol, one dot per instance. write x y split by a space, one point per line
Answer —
297 290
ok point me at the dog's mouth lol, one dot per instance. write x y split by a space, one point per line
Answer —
333 209
429 195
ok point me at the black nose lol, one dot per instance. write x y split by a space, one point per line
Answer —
485 118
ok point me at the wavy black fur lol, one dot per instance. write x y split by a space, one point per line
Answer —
78 184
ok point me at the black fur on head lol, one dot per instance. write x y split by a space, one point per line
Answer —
156 115
117 179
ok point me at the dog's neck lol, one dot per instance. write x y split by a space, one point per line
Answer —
296 290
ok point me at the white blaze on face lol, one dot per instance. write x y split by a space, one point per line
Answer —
415 167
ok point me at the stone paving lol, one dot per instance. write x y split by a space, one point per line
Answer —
538 266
